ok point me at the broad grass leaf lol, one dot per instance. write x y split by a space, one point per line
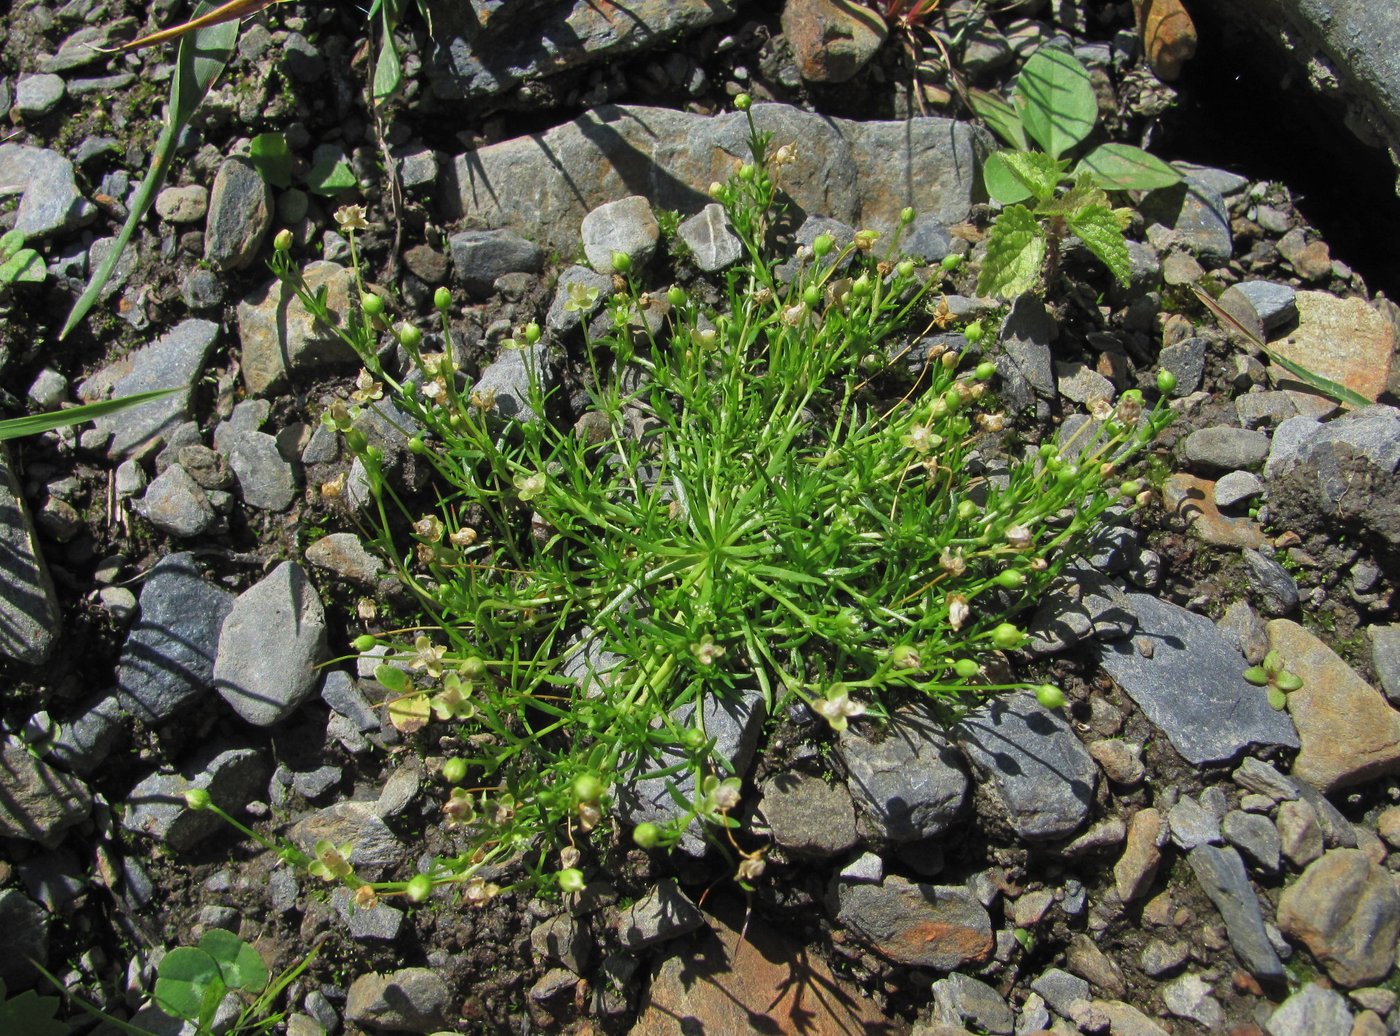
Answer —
15 427
241 966
1000 117
1015 254
1122 167
1058 106
1002 184
1097 227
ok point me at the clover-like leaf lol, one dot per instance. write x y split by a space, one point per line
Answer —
241 966
391 678
1122 167
1098 228
30 1014
188 980
1015 254
409 712
1057 101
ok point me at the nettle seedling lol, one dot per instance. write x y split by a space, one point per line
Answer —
1055 109
1271 674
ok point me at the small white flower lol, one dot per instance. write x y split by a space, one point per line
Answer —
706 651
958 611
1019 536
351 217
837 708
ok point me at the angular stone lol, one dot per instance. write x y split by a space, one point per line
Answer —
712 243
51 202
1300 837
907 779
175 503
1041 772
1349 732
265 478
480 257
1385 656
1343 340
416 1000
1221 875
960 1000
1193 687
37 802
807 816
1271 304
30 621
280 338
831 40
664 913
376 847
859 172
87 738
168 659
1312 1011
344 554
156 806
1196 211
174 361
1192 825
271 643
626 227
922 926
240 212
1254 836
1222 449
1346 910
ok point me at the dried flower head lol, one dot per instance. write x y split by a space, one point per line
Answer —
750 868
367 609
366 898
837 708
1018 536
958 611
335 488
463 538
351 218
429 527
366 388
951 560
1099 409
706 651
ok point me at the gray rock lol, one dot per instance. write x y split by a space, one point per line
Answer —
807 816
266 480
1271 584
482 256
1222 449
924 926
907 780
240 212
626 226
712 243
1346 910
1060 990
563 939
376 847
1090 605
399 791
1221 875
561 318
344 554
280 338
271 643
129 480
48 389
174 361
508 381
1260 777
1160 959
30 621
733 725
380 923
1265 409
1039 770
51 203
1195 211
37 802
1236 488
662 914
167 661
86 739
418 168
201 289
312 784
26 928
926 238
1193 688
1187 360
1080 383
1312 1011
84 47
37 95
1385 656
156 805
1256 838
175 503
1024 365
415 1000
1191 825
960 1000
55 879
207 467
188 204
1274 305
859 172
1189 997
522 41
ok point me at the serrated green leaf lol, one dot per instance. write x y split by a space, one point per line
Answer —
1035 170
330 172
1000 117
30 1014
272 158
1015 254
1083 195
1098 228
241 966
1002 184
1122 167
1057 102
186 976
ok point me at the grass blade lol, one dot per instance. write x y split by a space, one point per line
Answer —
16 427
201 58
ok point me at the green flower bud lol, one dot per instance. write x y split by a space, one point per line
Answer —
588 787
906 215
1166 382
417 445
692 738
974 333
419 888
454 770
571 880
533 332
812 295
746 172
410 337
1067 474
374 454
1133 396
967 510
822 244
621 262
905 269
862 287
372 304
283 241
355 440
442 299
951 262
675 295
1130 489
966 668
743 102
646 835
985 371
197 799
1007 637
1050 696
1011 578
364 642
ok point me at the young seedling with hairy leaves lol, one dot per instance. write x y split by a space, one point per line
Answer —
1045 197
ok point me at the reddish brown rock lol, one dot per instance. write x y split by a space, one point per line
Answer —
1168 36
1194 499
1344 340
831 39
1345 909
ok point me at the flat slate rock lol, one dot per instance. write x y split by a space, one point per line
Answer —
37 802
29 615
1039 769
1221 875
168 658
918 925
862 173
1192 687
